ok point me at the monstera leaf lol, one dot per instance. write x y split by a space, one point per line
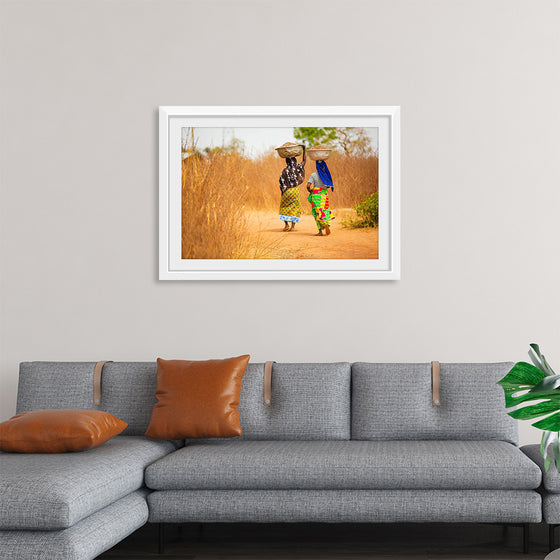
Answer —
526 383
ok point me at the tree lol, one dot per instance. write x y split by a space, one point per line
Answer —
312 136
353 141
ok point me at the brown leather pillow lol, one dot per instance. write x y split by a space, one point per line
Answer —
197 399
58 431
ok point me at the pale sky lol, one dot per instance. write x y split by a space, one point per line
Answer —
257 140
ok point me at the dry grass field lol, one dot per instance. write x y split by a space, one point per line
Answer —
222 191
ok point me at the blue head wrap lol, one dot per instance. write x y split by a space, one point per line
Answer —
324 174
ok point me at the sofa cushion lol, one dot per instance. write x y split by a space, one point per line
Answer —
54 491
58 430
309 402
127 389
394 401
197 399
85 540
345 465
45 385
550 478
551 508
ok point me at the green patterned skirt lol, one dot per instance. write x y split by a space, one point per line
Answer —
320 207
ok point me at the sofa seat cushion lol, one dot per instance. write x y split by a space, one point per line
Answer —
550 478
85 540
54 491
344 465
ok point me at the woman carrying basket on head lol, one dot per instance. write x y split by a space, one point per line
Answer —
292 176
318 186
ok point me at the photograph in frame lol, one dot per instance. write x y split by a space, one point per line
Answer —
279 193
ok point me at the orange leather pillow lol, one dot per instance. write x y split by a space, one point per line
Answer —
58 431
197 399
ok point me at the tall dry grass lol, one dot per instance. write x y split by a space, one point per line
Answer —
219 189
354 178
213 217
214 199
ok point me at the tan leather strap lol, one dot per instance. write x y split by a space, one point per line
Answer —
268 383
435 384
97 371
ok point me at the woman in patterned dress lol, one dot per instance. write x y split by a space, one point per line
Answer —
292 176
318 187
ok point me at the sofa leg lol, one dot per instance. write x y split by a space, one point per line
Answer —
161 538
551 544
525 538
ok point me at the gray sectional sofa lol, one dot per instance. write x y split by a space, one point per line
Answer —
340 443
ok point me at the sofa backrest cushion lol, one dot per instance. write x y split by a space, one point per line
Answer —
127 389
394 402
44 385
309 401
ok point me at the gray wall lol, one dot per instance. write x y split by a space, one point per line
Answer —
479 89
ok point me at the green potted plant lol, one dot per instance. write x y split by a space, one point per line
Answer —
526 383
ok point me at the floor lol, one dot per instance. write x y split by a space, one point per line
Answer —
330 542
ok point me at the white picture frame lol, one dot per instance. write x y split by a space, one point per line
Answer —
173 267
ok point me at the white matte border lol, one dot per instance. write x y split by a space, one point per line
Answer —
173 267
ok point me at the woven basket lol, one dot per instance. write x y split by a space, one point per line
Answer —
289 149
319 153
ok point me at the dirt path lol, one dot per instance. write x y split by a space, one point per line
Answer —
270 242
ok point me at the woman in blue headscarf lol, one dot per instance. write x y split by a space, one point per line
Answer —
318 187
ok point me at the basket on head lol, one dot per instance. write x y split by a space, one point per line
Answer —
289 149
318 153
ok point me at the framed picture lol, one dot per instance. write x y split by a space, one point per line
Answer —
279 193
